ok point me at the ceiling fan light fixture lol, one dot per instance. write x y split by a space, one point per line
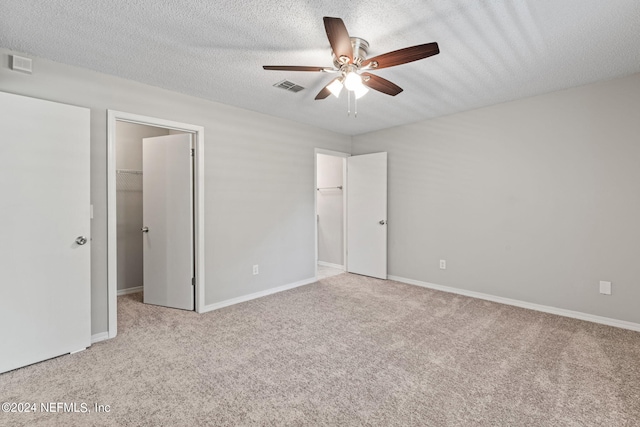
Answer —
352 81
350 59
360 91
335 87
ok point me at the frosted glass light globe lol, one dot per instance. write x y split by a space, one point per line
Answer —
335 87
352 81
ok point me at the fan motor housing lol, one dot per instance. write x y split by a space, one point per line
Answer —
360 50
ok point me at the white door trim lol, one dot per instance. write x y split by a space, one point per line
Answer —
198 173
344 202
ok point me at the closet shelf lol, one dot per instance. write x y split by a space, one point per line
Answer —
129 171
128 180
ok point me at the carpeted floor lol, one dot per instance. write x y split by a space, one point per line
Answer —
347 350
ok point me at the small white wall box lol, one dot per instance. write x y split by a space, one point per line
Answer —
605 288
20 63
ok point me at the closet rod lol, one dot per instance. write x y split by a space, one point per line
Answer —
129 171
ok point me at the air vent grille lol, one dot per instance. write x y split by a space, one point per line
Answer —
290 86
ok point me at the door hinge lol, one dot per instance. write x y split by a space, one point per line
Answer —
193 281
193 152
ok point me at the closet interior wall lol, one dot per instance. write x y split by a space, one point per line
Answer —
129 175
330 190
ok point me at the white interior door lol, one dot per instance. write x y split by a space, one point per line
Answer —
367 215
167 206
45 277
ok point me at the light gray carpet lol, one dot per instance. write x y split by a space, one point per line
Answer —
347 350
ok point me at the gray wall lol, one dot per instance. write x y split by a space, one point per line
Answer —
330 209
129 201
259 194
536 200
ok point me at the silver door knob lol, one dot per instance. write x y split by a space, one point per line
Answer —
81 240
382 222
145 229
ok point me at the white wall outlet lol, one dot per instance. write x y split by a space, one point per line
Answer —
443 264
255 269
605 288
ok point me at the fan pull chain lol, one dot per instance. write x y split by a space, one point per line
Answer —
355 106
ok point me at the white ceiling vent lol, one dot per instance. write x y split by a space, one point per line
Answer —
290 86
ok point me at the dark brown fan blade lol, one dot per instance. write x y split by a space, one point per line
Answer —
323 93
380 84
402 56
338 37
292 68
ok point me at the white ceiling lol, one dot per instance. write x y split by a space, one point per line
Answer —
490 51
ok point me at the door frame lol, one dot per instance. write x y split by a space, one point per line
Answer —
114 116
344 202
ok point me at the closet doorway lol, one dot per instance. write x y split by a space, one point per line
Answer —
129 203
351 213
331 205
155 224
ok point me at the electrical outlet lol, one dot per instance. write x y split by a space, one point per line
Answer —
443 264
605 288
255 269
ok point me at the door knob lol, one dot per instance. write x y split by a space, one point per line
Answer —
145 229
382 222
81 240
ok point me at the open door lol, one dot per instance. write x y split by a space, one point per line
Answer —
167 199
367 215
45 255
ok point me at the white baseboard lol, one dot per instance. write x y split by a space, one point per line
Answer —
99 337
129 290
238 300
523 304
328 264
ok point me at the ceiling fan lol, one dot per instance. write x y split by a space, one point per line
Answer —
350 60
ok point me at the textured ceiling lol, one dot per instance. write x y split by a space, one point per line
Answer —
491 51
